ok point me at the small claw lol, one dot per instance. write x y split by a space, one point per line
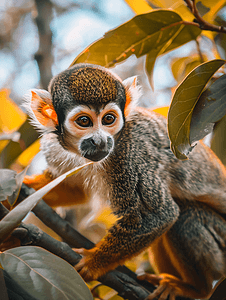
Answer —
152 278
165 293
156 293
79 251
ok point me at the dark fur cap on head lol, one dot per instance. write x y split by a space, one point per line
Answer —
86 84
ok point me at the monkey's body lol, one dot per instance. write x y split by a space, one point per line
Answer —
174 207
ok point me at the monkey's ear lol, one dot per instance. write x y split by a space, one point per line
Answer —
38 104
133 94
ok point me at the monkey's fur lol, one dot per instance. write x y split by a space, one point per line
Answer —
176 208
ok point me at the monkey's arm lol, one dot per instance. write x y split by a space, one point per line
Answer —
134 231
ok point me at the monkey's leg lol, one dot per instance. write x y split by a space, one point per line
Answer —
190 255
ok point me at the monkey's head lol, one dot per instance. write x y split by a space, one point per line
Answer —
86 107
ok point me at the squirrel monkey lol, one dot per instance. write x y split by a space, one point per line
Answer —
174 208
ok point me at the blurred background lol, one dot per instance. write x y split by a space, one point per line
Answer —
63 28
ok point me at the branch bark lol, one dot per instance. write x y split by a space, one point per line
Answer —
44 56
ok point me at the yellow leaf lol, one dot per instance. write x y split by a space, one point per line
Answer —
27 155
162 110
11 116
177 6
139 6
182 10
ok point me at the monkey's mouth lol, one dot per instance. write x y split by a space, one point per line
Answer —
96 156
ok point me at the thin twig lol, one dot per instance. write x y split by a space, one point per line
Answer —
199 51
204 25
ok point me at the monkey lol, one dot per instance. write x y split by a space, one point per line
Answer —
173 208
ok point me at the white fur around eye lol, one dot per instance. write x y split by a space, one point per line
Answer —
75 111
114 108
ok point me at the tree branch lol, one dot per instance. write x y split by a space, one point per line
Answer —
30 235
204 25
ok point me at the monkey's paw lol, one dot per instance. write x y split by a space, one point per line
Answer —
167 286
84 266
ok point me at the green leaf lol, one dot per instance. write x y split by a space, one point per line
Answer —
7 183
11 152
178 66
19 180
184 34
15 216
184 65
187 34
44 275
14 290
183 104
210 108
138 36
165 40
218 142
10 184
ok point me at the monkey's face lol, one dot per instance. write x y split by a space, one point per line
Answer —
90 132
86 106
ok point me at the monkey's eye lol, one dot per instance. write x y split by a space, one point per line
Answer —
108 119
84 121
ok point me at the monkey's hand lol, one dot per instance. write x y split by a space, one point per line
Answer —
63 194
37 181
85 266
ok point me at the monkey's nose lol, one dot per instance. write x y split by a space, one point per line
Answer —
100 144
